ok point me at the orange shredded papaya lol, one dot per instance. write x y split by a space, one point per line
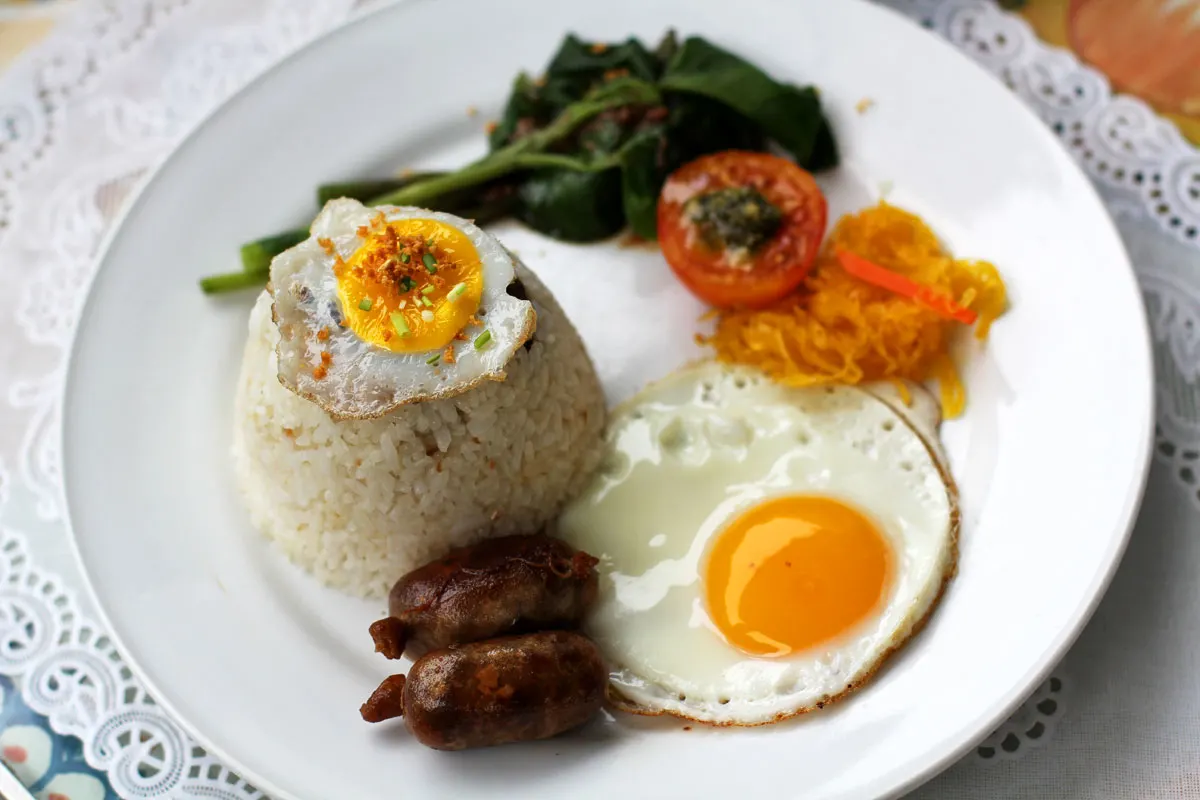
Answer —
838 328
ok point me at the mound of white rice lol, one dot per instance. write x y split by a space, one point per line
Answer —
361 502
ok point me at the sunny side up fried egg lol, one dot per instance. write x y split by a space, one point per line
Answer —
381 307
762 548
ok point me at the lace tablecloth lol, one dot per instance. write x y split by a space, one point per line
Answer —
103 99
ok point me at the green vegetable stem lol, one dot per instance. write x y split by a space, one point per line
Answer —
583 150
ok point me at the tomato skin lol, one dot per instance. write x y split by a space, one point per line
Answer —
773 270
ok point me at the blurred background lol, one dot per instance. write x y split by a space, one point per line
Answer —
1147 48
24 23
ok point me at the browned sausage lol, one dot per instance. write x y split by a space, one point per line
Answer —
512 689
513 584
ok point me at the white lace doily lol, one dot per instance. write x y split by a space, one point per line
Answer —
87 113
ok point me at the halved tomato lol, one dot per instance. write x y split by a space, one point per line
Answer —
741 229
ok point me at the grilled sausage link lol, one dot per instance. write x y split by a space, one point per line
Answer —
512 689
513 584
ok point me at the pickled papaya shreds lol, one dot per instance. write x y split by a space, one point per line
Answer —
839 328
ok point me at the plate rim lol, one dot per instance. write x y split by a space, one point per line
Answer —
895 782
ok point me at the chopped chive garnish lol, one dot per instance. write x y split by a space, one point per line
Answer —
434 359
427 315
365 304
429 243
405 257
425 301
400 324
430 262
481 341
458 291
428 288
407 283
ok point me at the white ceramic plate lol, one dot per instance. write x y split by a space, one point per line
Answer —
268 670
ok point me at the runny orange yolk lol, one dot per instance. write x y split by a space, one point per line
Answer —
794 572
411 286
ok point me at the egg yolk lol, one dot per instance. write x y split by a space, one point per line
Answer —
794 572
411 286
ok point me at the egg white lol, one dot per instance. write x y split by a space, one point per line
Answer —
363 380
919 407
691 453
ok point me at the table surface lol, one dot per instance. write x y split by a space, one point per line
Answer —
94 94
